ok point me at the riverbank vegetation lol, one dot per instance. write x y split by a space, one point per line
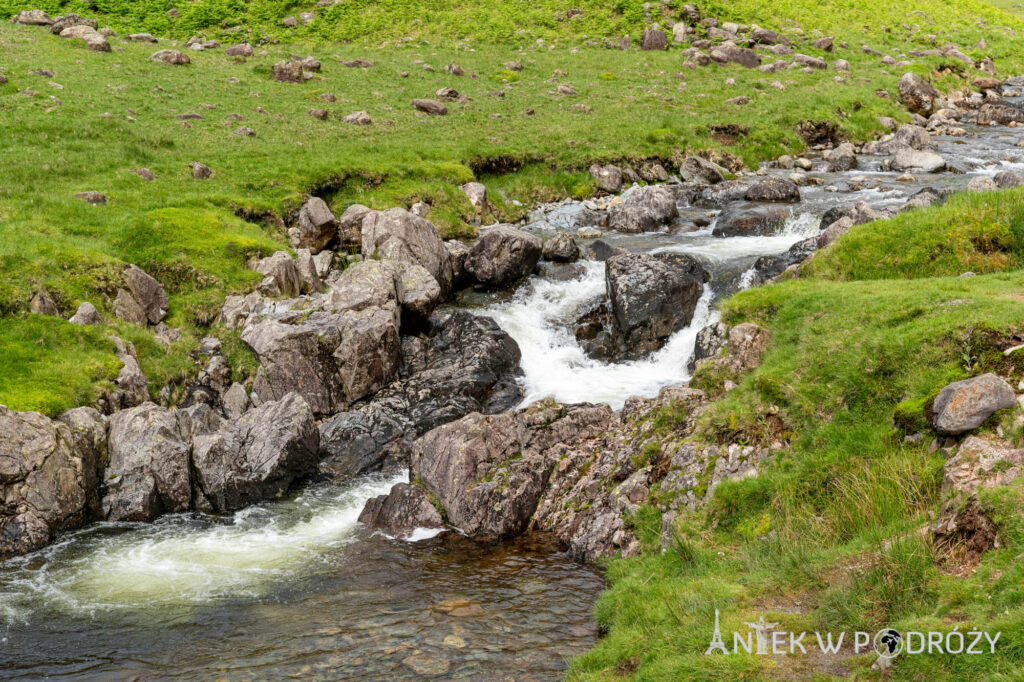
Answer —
835 534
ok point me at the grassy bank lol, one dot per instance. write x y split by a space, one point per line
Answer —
102 115
832 536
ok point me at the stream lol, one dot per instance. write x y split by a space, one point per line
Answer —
296 588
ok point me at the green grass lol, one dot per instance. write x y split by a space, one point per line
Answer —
831 535
196 236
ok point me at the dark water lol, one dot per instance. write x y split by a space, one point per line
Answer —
292 590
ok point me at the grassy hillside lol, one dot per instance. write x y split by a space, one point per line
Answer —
102 115
832 536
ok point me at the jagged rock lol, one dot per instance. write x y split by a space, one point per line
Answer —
608 178
458 252
398 235
918 95
709 341
350 225
966 405
147 472
173 57
700 170
734 221
405 509
643 209
502 256
317 227
128 309
561 248
86 314
281 276
256 457
650 299
466 363
335 356
418 292
149 294
308 272
130 385
235 401
47 477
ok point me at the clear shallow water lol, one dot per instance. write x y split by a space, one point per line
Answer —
291 589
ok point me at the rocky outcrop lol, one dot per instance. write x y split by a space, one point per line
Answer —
405 509
147 472
316 228
334 356
576 471
48 476
503 256
256 457
965 405
465 363
143 301
650 300
401 236
643 209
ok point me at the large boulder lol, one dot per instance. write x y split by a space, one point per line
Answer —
774 189
700 170
48 477
257 457
917 95
317 227
650 298
350 225
735 221
398 235
404 510
330 359
465 363
644 209
147 472
503 255
908 159
966 405
476 468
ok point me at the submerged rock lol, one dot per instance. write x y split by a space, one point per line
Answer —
405 509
